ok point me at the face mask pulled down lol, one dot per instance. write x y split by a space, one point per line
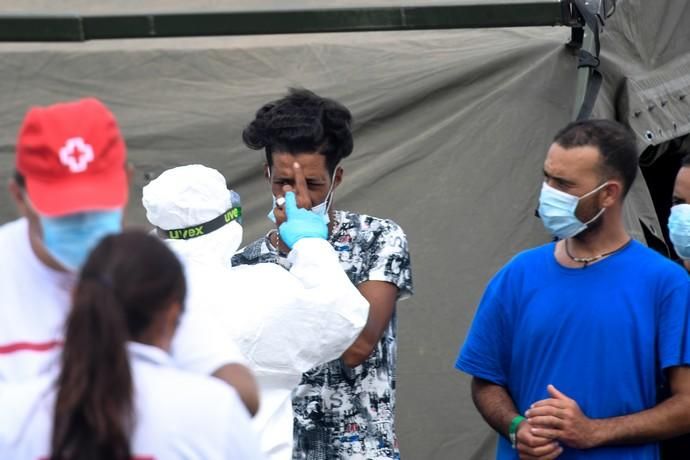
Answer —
70 239
557 211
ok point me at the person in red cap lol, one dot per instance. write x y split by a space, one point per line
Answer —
71 181
71 187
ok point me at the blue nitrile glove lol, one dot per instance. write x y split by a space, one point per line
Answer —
300 223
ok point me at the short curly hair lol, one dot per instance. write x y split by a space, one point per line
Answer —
302 122
615 142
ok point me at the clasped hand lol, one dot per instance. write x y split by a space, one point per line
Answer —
551 422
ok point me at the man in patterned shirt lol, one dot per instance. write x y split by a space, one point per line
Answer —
344 409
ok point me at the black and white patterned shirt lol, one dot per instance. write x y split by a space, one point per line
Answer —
344 413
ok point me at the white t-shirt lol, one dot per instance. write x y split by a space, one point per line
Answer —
35 302
179 415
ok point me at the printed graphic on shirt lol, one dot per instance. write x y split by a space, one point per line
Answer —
343 413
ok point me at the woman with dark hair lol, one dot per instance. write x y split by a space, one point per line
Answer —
117 396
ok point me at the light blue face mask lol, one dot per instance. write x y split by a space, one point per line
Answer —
69 239
557 211
679 230
320 209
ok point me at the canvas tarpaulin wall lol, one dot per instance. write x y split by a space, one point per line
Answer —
646 68
451 130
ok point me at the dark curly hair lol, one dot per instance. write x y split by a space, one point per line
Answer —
302 122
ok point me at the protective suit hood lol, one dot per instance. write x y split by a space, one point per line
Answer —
187 197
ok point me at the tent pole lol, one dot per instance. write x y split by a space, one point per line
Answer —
584 73
479 14
586 40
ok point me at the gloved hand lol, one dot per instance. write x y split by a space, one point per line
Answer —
300 223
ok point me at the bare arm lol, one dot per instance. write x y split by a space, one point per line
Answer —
561 418
381 296
242 380
496 405
667 419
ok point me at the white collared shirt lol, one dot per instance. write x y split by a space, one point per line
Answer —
179 415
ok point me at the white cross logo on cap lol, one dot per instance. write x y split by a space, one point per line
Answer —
76 154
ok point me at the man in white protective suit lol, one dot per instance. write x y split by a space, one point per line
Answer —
285 322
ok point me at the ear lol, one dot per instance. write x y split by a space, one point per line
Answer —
17 194
267 172
339 171
174 315
613 193
129 169
170 319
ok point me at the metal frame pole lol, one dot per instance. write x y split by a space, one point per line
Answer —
195 24
584 73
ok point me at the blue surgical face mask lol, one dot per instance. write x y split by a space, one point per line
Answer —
557 211
69 239
320 209
679 230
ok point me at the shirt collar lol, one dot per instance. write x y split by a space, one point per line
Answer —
148 353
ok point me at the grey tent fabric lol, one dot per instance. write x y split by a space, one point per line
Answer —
645 63
645 56
656 104
451 131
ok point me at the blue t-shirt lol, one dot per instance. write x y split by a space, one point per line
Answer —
601 334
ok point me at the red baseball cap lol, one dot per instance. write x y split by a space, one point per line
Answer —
72 156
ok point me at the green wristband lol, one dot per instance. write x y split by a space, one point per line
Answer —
512 431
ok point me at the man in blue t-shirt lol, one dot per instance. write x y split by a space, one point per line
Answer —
571 339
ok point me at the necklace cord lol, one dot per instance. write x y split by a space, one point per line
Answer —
588 260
